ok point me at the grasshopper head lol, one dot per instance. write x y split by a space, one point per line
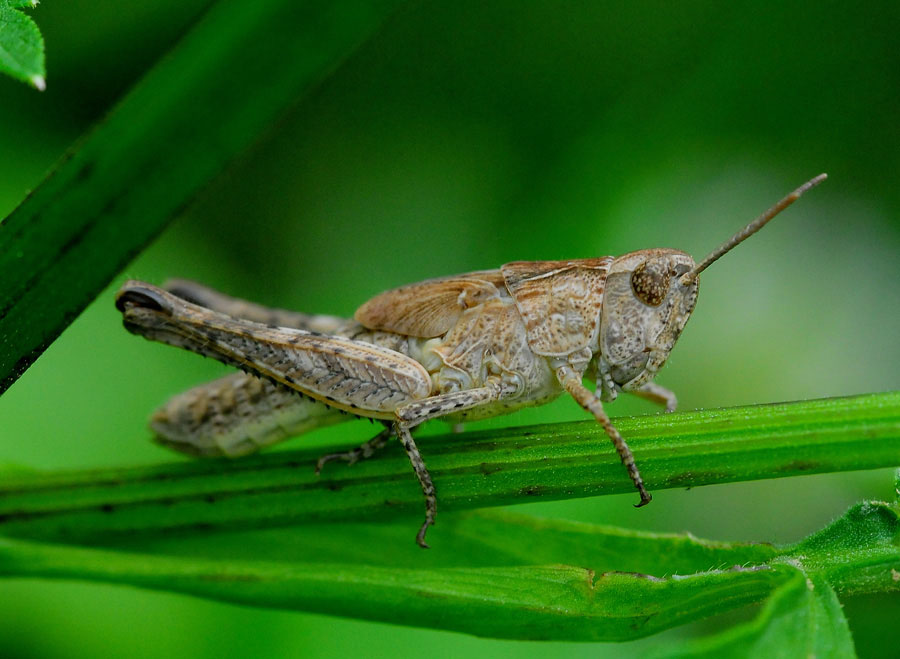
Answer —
649 297
646 304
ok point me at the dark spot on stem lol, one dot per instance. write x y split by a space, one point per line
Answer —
533 490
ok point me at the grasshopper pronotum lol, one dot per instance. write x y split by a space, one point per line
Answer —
462 347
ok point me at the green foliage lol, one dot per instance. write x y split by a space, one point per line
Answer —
161 144
484 584
860 552
801 618
495 575
21 44
584 114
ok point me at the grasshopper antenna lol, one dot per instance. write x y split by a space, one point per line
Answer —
749 230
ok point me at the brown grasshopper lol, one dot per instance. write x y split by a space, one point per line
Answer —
462 347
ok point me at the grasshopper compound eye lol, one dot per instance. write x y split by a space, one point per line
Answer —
650 281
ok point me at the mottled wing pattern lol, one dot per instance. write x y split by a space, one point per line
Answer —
429 308
560 301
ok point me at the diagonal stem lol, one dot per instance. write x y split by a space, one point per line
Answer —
163 142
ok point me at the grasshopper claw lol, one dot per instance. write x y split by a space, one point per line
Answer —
420 536
646 498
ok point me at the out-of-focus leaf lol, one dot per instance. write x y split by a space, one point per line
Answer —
495 577
21 44
474 539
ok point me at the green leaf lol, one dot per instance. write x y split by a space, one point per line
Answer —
159 146
858 553
20 4
496 578
506 575
472 470
473 539
524 602
21 45
803 618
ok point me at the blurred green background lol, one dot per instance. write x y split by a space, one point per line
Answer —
465 135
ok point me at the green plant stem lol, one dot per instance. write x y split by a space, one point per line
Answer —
224 84
471 470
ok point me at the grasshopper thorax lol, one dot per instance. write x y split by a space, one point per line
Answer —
645 307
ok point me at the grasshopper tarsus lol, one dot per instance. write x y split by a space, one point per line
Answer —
646 498
420 536
462 347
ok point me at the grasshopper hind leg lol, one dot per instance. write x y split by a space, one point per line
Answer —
418 465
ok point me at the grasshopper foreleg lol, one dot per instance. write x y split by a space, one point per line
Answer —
570 379
657 394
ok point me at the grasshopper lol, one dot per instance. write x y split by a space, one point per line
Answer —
462 347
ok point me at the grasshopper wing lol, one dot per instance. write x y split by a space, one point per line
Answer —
429 308
559 301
